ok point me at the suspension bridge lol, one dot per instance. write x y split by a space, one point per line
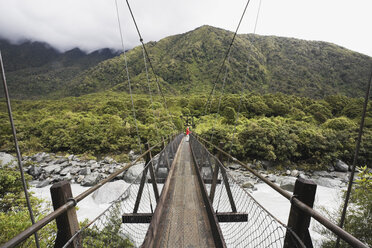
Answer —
185 196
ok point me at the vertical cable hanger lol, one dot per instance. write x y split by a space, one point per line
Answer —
128 77
151 65
19 157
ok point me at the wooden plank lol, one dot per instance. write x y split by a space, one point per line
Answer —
136 218
232 217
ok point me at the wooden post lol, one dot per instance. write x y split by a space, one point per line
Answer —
67 223
140 190
298 220
152 174
226 181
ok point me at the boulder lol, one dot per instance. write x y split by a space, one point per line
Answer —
272 178
341 166
91 179
133 174
65 171
75 170
288 183
248 185
7 159
79 179
52 168
234 166
294 173
42 184
327 182
288 172
111 191
267 164
206 172
85 171
34 171
162 172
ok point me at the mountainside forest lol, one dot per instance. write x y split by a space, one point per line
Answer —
36 70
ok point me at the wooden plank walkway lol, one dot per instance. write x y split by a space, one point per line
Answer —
184 221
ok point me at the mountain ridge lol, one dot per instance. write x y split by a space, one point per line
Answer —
188 63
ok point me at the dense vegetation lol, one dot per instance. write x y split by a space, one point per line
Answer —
14 215
283 129
359 215
189 63
36 70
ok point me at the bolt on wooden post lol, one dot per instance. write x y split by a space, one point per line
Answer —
298 220
67 223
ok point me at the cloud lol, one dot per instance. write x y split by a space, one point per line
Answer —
92 24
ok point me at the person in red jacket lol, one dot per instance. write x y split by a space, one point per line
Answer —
187 134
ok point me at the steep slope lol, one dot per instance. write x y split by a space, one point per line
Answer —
36 70
190 62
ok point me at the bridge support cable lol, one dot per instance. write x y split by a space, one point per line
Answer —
128 77
357 147
151 66
19 157
243 86
226 56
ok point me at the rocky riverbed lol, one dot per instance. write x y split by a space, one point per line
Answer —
46 168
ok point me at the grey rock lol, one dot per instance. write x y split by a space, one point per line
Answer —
7 159
75 170
42 184
85 171
94 166
65 171
248 185
133 174
64 164
267 164
162 172
327 182
321 174
288 172
67 177
294 173
35 171
234 166
272 178
52 168
71 157
91 179
341 166
288 183
61 161
108 160
79 179
206 172
111 191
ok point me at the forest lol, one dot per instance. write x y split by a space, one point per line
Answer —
290 131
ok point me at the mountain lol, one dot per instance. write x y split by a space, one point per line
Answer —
36 70
189 63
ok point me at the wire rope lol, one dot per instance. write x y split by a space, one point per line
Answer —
128 77
151 66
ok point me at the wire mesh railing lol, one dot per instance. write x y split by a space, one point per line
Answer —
261 229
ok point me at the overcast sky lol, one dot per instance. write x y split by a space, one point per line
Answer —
92 24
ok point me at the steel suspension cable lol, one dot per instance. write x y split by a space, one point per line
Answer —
226 55
357 147
128 77
19 157
244 84
151 65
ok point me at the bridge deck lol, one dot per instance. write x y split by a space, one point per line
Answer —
184 221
